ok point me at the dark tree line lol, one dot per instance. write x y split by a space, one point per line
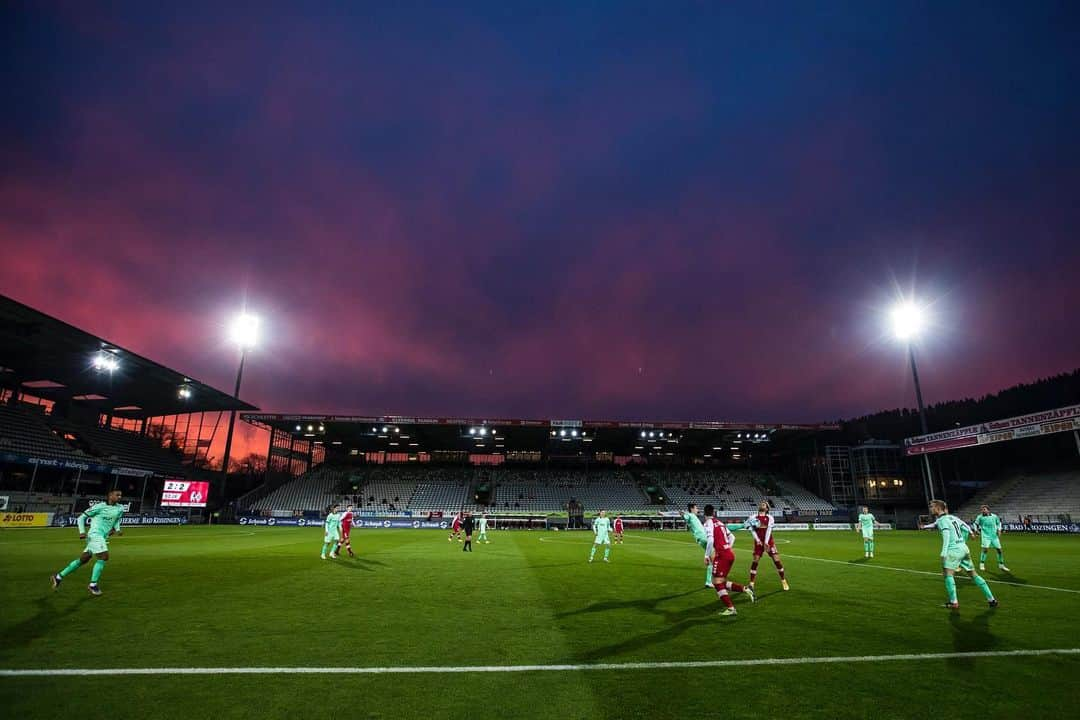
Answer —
1044 394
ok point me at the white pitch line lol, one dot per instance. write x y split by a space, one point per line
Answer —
449 670
927 572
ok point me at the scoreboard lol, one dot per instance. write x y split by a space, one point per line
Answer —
185 493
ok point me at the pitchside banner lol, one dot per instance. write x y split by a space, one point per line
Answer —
185 493
13 520
361 525
1014 428
72 520
1042 527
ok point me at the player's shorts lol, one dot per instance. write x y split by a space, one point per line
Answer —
958 560
769 547
722 563
993 542
96 544
332 537
604 539
867 534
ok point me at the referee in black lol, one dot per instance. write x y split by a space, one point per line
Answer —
467 525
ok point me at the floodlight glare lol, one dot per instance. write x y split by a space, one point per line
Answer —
642 433
483 431
310 428
562 433
244 331
472 431
907 320
106 361
574 433
184 392
297 428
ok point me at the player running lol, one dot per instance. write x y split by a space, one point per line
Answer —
482 536
955 554
455 529
346 531
332 532
104 522
866 525
601 528
618 529
987 526
693 524
761 527
467 524
720 552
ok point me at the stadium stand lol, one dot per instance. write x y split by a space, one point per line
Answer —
121 447
313 491
535 490
388 489
25 432
1047 496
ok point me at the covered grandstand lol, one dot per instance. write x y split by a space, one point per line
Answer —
79 414
397 465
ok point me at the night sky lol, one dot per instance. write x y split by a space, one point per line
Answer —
579 210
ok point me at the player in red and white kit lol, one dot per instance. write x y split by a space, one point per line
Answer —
346 529
618 529
720 551
455 529
761 526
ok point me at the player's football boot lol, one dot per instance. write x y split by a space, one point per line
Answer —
1003 568
94 589
951 606
783 584
729 611
992 603
56 580
708 585
323 557
982 566
750 591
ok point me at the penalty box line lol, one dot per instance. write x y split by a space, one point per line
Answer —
447 670
993 581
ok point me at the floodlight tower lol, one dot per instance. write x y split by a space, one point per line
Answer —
244 332
908 321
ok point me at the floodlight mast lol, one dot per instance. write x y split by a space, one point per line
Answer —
243 332
907 319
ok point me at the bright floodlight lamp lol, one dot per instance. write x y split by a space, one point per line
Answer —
574 433
106 362
244 331
562 433
483 431
184 392
908 320
472 431
297 428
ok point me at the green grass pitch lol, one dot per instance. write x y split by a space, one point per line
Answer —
261 597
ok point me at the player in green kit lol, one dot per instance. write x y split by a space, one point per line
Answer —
332 532
104 521
482 537
987 527
866 525
955 554
693 524
601 528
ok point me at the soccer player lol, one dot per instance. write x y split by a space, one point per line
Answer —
467 525
955 554
346 530
761 527
693 524
104 522
987 526
720 552
332 532
455 528
618 529
601 527
866 525
482 537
